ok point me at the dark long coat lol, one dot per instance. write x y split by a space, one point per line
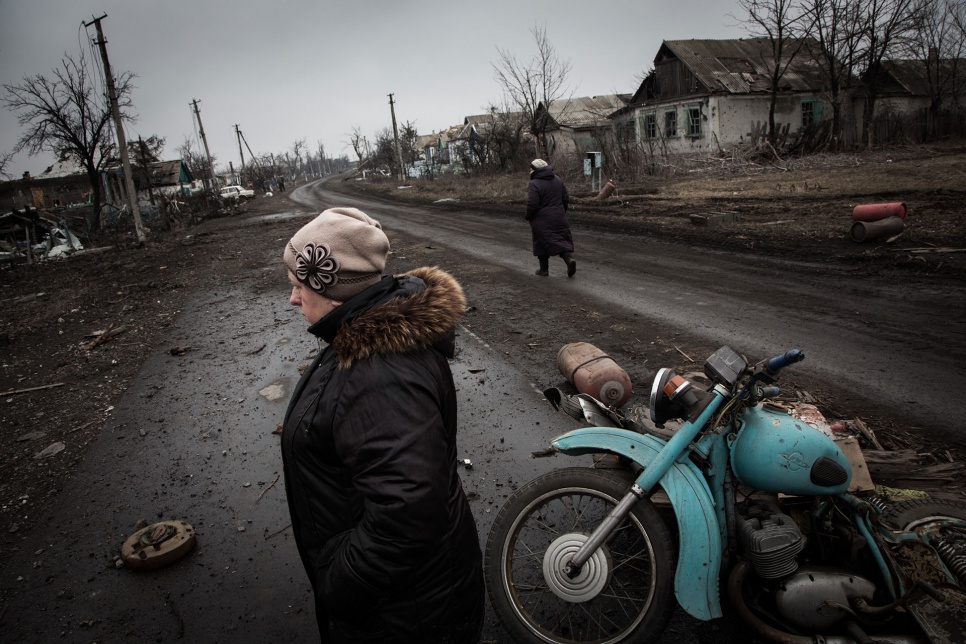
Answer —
547 204
380 519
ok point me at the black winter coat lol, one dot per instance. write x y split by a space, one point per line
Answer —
380 519
547 204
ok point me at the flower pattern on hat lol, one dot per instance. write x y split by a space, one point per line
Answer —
316 267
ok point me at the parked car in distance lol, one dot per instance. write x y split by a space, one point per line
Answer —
236 192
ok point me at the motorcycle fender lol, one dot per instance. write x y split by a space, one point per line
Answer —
700 548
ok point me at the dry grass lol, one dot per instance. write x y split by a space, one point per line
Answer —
897 170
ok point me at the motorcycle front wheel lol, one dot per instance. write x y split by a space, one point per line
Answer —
623 593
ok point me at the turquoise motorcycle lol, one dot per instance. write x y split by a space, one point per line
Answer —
740 497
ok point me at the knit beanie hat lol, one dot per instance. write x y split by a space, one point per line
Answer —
340 253
536 164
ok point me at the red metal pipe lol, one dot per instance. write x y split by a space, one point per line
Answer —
877 211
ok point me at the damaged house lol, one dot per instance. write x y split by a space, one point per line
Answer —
578 125
30 234
714 95
918 100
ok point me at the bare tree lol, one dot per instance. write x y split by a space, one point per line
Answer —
885 24
147 150
5 160
407 142
64 115
323 162
507 138
838 28
298 146
196 161
541 80
384 154
939 44
783 24
357 141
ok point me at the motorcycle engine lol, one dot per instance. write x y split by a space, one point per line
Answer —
770 539
812 598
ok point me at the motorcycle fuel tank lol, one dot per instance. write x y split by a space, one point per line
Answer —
774 452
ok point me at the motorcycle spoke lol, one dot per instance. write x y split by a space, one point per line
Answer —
626 593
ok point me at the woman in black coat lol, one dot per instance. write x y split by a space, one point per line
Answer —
378 511
547 204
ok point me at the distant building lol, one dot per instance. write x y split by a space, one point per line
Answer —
66 184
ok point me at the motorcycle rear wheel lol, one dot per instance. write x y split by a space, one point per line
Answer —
907 514
623 593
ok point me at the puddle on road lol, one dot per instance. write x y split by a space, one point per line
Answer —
281 216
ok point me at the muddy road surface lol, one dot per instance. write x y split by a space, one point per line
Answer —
889 347
191 436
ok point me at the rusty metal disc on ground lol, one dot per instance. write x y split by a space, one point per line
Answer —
158 545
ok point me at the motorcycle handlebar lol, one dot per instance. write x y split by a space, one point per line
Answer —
778 363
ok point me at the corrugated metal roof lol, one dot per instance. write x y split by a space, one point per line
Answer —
169 173
586 111
742 66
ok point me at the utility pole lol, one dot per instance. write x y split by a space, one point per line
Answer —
201 129
240 153
395 136
321 159
132 196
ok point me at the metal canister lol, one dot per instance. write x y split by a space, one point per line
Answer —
878 211
869 230
595 373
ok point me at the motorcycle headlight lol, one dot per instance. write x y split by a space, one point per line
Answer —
673 397
660 406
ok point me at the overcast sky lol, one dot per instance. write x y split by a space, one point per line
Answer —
291 69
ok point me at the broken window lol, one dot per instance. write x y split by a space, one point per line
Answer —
671 123
811 111
694 120
649 126
625 129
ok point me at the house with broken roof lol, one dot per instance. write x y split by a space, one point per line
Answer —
713 95
578 125
166 177
918 99
66 183
907 85
467 145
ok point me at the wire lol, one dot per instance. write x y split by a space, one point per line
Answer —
96 75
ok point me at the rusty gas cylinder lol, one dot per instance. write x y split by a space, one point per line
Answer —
879 211
593 372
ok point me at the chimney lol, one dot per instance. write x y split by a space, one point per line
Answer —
26 176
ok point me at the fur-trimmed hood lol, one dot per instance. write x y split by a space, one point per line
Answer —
404 324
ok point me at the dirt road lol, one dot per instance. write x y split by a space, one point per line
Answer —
876 346
145 433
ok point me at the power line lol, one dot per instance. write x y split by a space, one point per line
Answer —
119 127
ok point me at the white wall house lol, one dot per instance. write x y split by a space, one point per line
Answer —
714 95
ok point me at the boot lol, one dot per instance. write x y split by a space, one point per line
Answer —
571 263
544 269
